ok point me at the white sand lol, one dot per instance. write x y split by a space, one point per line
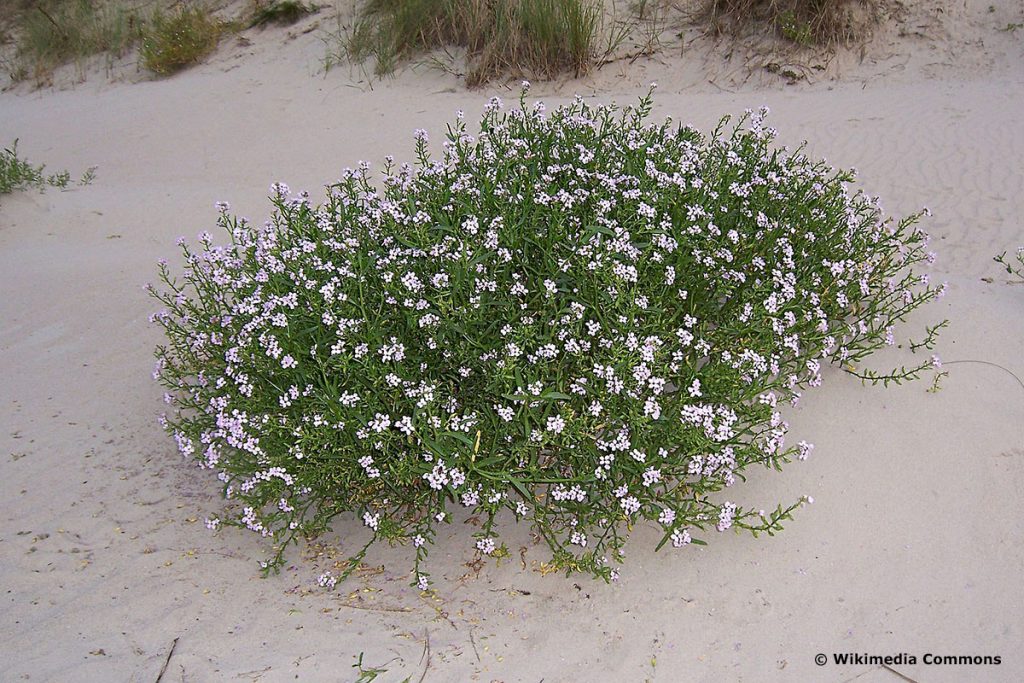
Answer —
915 543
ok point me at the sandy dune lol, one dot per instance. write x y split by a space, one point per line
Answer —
915 542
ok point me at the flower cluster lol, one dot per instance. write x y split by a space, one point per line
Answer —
577 319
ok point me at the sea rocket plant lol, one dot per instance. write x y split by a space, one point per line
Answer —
576 317
1011 267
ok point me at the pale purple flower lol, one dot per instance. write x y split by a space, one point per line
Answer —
556 424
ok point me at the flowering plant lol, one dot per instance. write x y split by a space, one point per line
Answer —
1008 262
575 319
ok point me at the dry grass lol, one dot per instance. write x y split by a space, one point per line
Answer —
825 23
39 36
50 33
539 38
279 12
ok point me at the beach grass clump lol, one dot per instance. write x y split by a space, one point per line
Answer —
577 320
279 12
536 37
805 22
17 173
177 40
51 33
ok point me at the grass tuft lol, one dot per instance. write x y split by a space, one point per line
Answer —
51 33
520 37
824 23
175 41
281 12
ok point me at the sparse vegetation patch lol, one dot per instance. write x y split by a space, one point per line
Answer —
17 173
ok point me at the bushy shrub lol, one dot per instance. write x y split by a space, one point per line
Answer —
577 320
174 41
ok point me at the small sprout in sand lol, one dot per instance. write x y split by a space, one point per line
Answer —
1015 264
